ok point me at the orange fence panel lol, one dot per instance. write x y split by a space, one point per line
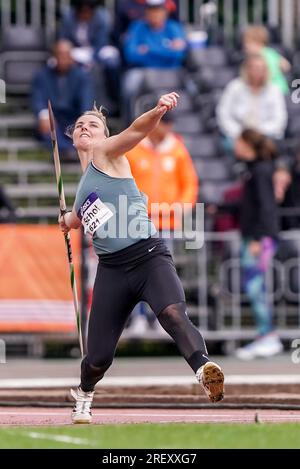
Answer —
35 291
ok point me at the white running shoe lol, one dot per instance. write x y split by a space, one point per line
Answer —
211 378
82 409
263 347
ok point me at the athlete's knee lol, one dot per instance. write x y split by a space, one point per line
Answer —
98 365
102 363
172 314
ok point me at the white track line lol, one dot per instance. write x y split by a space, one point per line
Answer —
46 414
145 381
186 416
58 438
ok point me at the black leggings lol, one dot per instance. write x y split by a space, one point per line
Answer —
142 272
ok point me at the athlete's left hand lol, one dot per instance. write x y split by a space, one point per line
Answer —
63 223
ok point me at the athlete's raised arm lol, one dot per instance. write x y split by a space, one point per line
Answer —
119 144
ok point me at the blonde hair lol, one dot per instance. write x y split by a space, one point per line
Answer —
97 112
258 34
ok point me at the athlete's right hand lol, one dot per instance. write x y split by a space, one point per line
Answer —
167 102
62 221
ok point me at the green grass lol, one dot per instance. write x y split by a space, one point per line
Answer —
154 436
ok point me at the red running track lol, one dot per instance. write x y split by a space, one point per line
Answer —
45 416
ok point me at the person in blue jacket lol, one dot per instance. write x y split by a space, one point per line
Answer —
127 11
59 80
154 42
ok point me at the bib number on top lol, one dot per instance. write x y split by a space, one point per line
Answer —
93 214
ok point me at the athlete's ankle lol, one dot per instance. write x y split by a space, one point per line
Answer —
86 388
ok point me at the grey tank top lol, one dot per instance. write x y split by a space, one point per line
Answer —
128 221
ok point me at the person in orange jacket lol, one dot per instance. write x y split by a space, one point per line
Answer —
164 171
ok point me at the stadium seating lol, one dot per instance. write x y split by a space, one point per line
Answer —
204 146
23 51
23 38
210 78
159 79
188 123
214 56
212 170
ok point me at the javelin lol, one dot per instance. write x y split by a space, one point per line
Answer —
62 206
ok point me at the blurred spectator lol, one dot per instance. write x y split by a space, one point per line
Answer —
154 42
291 198
164 171
226 215
86 25
251 101
7 209
260 229
127 11
70 90
255 40
89 28
282 179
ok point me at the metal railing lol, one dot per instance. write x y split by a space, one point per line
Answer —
219 304
211 277
216 303
232 15
35 13
229 17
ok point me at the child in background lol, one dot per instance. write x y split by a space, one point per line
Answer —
255 40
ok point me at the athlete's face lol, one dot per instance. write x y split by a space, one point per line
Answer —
88 131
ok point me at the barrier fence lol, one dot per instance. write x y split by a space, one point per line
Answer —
212 280
36 301
223 307
35 295
228 16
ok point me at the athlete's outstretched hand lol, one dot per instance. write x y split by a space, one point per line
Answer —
167 102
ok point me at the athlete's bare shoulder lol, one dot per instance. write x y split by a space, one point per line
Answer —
115 167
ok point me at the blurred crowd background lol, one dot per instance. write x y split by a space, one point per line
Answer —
232 144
